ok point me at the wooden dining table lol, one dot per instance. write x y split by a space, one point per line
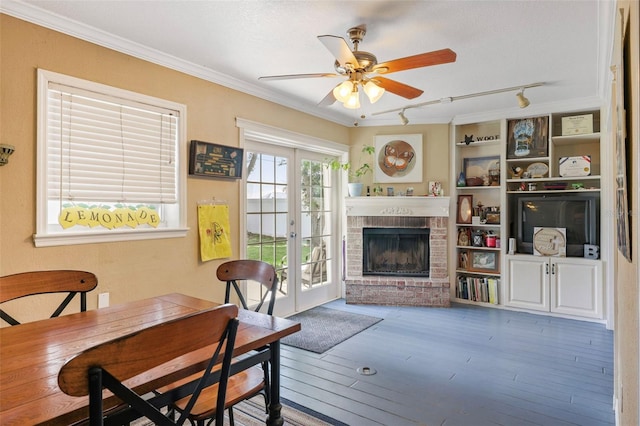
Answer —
32 354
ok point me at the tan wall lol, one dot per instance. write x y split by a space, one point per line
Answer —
627 274
435 151
129 270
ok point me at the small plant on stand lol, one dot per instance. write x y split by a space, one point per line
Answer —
355 185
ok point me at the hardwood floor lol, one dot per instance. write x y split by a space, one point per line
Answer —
465 365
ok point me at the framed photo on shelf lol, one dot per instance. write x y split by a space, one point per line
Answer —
465 209
215 161
483 261
528 137
485 169
463 260
464 237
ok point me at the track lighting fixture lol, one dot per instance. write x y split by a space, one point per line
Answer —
522 101
403 118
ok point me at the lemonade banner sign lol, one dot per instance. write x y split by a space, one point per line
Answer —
110 217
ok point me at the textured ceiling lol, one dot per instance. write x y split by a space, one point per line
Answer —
499 43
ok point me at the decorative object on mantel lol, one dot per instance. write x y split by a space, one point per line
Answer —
355 186
435 189
5 152
398 158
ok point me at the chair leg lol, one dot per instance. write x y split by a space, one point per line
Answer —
231 420
267 386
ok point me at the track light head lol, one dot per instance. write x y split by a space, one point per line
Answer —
403 118
522 101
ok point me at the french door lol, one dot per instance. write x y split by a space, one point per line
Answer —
291 221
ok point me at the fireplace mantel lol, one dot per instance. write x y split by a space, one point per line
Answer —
397 206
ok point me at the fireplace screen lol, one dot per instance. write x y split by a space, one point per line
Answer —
395 251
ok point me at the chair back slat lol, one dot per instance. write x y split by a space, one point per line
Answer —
39 282
133 354
255 270
43 282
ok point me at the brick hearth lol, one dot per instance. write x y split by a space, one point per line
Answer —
392 290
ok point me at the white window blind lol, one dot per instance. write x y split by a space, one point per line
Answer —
109 150
111 164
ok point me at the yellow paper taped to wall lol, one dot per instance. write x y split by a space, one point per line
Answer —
213 226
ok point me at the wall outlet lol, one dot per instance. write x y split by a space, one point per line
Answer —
103 300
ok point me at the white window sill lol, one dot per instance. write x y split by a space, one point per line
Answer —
107 237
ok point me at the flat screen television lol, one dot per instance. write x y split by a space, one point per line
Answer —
579 214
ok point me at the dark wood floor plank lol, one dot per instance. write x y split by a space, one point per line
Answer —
465 365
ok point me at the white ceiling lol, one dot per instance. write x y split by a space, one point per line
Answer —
499 44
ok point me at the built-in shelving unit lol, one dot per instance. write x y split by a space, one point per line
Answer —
488 177
477 195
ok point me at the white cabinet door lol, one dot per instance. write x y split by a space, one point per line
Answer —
576 287
527 282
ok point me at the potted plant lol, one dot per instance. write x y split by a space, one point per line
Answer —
355 185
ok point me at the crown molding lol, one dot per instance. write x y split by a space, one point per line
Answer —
35 15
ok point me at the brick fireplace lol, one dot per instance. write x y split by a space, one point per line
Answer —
398 212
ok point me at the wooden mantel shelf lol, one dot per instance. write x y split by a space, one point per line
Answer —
397 206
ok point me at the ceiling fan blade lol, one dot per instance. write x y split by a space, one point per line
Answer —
339 49
398 88
292 76
436 57
327 100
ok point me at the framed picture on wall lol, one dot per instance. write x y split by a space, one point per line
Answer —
215 161
528 137
398 158
622 120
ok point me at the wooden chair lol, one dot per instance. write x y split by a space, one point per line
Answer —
40 282
254 380
110 364
316 271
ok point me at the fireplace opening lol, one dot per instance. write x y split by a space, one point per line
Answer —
395 251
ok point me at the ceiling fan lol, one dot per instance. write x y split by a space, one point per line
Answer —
362 69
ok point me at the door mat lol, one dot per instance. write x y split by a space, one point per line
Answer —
323 328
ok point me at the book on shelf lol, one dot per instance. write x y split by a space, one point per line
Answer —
478 289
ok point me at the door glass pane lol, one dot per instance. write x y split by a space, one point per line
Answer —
266 221
314 226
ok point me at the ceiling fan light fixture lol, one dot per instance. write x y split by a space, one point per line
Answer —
342 91
373 91
523 102
353 100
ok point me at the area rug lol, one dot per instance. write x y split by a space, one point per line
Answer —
323 328
252 413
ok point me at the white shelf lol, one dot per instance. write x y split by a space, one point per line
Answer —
572 139
484 274
479 248
528 160
474 188
479 143
555 179
554 191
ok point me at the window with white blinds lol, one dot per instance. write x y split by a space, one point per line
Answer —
110 163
